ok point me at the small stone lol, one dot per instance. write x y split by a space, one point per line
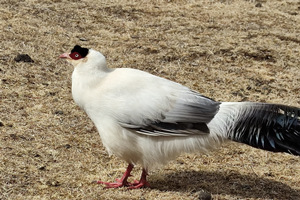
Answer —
59 112
1 124
293 13
42 168
83 39
203 195
36 155
23 58
53 183
135 36
13 136
258 5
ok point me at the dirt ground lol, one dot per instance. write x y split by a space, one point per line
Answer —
229 50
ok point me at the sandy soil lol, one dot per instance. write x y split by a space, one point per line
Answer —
229 50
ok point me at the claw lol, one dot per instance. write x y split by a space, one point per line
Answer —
119 182
124 183
139 184
142 183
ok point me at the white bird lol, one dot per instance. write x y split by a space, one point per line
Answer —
147 120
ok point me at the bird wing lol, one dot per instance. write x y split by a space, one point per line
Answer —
154 106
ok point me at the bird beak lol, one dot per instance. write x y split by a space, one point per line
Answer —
65 55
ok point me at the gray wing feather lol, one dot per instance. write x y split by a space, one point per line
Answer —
189 116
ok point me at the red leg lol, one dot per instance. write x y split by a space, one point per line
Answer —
142 183
119 182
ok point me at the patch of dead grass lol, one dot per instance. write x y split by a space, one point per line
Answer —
229 50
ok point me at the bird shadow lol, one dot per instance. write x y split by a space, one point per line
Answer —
222 183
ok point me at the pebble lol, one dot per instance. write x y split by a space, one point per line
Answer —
23 58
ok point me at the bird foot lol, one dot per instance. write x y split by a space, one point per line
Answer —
139 184
124 183
119 183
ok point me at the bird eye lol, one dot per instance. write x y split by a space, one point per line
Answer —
75 56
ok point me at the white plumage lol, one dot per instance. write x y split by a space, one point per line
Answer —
147 120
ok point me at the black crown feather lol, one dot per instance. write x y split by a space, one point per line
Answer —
82 51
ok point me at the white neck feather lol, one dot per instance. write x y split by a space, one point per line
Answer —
87 74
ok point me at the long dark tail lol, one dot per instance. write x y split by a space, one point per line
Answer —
266 126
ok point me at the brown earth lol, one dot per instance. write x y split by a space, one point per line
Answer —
229 50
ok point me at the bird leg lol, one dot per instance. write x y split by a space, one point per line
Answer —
142 183
120 182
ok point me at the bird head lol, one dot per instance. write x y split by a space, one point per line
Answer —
77 55
84 58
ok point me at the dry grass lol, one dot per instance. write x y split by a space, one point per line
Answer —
229 50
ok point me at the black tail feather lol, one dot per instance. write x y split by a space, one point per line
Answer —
267 126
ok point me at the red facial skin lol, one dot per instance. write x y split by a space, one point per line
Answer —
75 56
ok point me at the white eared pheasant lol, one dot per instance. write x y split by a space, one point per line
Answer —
147 120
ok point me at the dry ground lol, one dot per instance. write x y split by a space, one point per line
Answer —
230 50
